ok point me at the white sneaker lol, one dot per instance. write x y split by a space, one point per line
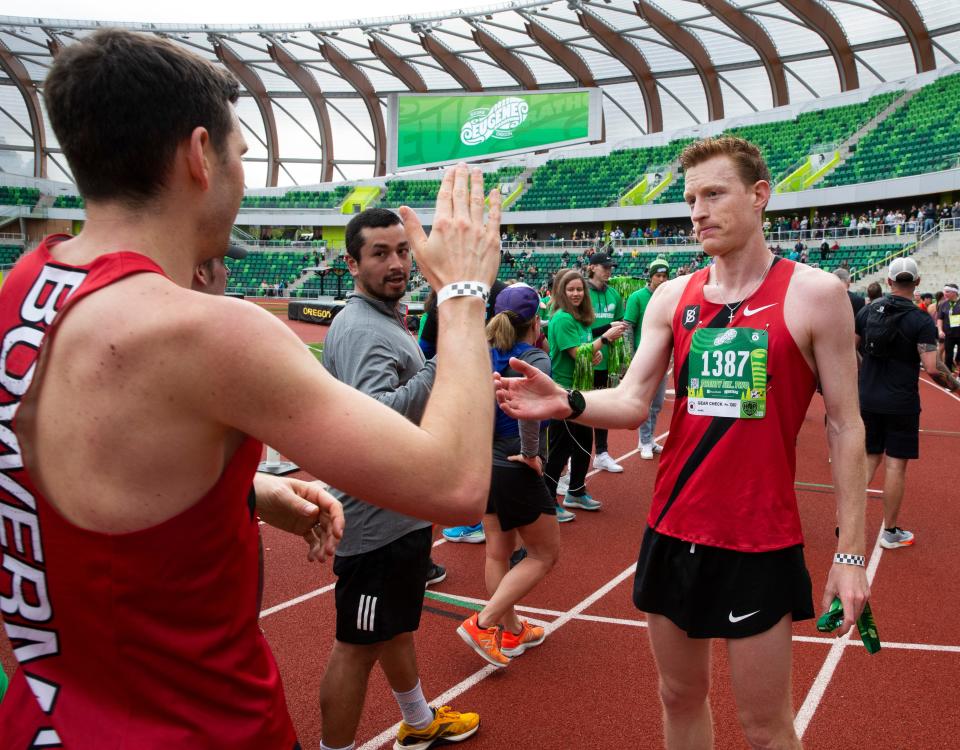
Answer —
647 452
563 486
605 463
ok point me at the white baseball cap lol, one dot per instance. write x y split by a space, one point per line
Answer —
902 266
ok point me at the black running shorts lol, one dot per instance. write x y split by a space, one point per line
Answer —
897 435
718 593
519 496
379 594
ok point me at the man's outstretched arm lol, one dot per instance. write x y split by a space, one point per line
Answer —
623 407
936 368
274 390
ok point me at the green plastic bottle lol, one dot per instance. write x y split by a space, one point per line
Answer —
866 625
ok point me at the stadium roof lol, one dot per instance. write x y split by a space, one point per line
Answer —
314 100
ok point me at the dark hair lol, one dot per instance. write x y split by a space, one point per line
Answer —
121 104
874 291
372 218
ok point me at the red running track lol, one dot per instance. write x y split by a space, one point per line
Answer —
593 683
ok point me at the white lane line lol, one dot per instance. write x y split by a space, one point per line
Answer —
297 600
822 681
482 674
657 439
940 388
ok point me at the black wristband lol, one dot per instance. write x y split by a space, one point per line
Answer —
576 402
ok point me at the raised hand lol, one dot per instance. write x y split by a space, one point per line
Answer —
460 247
532 396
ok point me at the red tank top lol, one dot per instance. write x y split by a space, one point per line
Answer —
125 641
729 482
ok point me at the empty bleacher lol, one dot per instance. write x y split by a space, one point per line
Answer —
11 195
423 193
299 199
593 181
786 143
921 136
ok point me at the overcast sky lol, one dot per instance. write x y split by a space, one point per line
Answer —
219 11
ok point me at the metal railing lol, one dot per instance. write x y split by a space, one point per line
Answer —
909 249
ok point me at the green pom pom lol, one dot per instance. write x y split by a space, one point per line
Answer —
626 285
618 358
583 368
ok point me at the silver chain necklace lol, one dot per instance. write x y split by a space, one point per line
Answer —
732 308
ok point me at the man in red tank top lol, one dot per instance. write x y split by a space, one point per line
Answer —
722 555
133 412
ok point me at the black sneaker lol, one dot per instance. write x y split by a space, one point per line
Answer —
517 556
435 573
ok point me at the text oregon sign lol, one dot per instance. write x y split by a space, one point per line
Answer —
432 129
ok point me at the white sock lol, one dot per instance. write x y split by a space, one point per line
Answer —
351 746
414 707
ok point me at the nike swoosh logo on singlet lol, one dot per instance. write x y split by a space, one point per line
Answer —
735 619
747 312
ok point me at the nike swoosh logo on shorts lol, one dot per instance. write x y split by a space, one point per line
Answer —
747 312
736 619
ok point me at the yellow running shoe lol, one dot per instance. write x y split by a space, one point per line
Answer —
447 725
485 641
530 635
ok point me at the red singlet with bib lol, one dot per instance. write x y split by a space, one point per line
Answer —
726 476
135 641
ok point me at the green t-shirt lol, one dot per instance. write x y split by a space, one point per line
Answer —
545 303
636 307
608 307
565 332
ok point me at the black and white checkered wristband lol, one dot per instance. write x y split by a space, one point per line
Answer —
463 289
844 559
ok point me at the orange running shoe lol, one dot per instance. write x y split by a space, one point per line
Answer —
530 635
485 641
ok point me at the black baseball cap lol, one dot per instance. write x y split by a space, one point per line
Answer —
238 252
602 259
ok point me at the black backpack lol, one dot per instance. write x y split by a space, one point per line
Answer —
881 329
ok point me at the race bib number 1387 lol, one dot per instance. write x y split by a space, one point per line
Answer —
728 373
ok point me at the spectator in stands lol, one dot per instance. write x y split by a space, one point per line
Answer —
507 258
875 292
929 217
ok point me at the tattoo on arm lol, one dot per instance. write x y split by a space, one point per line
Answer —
926 348
944 378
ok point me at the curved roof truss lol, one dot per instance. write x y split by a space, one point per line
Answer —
652 58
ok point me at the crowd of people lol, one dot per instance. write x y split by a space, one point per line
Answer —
151 521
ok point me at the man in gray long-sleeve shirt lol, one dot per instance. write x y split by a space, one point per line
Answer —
383 559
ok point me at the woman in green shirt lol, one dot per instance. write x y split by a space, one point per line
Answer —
570 326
